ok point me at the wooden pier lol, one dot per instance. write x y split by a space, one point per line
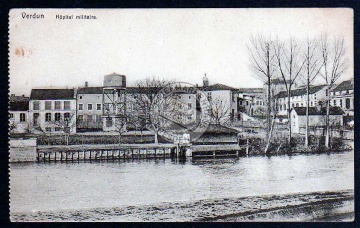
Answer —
108 152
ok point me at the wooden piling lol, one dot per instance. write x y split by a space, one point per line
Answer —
247 146
55 157
61 156
49 156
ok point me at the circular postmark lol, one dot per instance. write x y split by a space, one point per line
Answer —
180 110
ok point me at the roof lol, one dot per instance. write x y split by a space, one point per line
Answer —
52 94
217 86
345 85
19 105
143 90
301 111
217 128
300 91
18 98
90 90
250 90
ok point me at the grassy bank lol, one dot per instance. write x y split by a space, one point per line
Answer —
314 206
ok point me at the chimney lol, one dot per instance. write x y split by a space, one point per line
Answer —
205 81
23 95
86 84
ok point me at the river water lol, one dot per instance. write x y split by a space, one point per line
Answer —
58 186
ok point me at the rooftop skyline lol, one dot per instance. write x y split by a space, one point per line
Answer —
176 44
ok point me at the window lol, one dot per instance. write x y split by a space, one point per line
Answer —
189 97
302 105
81 107
57 105
66 116
334 102
297 104
47 117
315 96
341 103
347 103
311 103
239 116
257 102
47 105
89 118
189 106
80 97
36 105
11 115
109 122
189 117
98 118
326 92
22 117
36 116
67 105
57 129
80 118
89 107
209 96
98 106
48 129
57 116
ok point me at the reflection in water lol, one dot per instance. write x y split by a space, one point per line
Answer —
108 184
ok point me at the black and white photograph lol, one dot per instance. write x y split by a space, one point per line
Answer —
181 115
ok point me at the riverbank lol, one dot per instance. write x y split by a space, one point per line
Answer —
314 206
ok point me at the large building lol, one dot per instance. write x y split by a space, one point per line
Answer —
299 98
52 110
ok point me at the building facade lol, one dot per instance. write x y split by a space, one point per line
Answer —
299 98
343 96
89 108
224 104
317 118
52 110
19 116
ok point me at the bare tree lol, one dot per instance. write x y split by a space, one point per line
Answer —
335 63
290 65
263 65
148 89
312 67
220 111
66 125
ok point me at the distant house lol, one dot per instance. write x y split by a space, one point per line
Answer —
317 118
343 96
18 116
89 108
53 110
223 100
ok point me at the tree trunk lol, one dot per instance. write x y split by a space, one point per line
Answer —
307 116
156 138
327 137
270 134
268 111
289 114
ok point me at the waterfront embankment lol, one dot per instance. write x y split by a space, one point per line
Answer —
314 206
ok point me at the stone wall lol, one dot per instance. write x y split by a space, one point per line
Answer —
22 150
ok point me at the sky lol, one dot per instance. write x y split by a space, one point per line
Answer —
176 44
